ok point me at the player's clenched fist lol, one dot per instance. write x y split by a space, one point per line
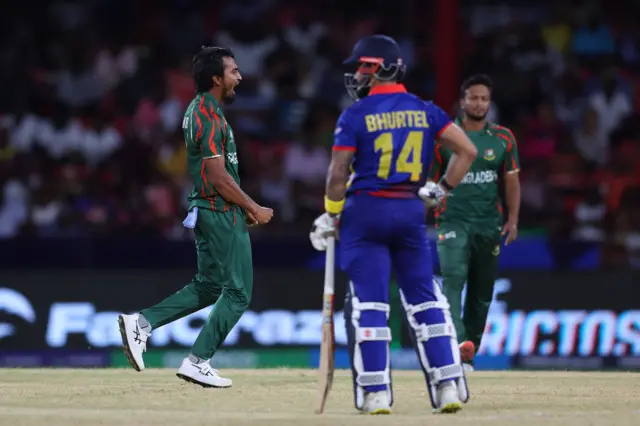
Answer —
264 215
259 215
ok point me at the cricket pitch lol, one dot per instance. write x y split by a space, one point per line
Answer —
53 397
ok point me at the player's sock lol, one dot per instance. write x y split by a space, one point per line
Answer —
196 359
144 324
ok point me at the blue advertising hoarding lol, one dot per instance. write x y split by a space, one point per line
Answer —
537 319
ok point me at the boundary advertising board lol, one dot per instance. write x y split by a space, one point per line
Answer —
537 320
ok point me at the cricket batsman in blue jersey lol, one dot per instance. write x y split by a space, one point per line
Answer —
387 138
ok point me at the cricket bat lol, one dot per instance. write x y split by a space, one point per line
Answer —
327 346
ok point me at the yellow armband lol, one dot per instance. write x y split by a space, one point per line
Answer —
333 207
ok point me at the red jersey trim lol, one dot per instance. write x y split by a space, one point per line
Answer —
443 129
387 89
391 194
344 148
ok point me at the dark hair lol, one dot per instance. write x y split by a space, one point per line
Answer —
474 80
208 63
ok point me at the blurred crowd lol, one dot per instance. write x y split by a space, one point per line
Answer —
93 93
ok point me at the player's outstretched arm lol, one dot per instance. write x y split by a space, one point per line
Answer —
230 191
454 139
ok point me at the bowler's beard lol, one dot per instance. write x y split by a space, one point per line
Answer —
229 98
475 117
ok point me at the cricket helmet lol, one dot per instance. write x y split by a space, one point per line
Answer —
374 56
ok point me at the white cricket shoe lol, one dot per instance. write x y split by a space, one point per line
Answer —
134 340
376 403
202 374
448 398
468 368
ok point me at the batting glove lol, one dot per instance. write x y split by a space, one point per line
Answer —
323 227
432 193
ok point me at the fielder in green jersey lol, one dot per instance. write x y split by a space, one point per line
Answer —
470 221
219 213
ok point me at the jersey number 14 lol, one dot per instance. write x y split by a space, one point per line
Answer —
409 160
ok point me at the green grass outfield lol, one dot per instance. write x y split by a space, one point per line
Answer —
122 397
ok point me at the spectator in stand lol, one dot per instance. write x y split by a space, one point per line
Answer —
589 216
114 63
542 134
276 190
591 139
557 32
621 174
45 211
569 97
14 207
306 165
78 86
610 97
94 93
593 40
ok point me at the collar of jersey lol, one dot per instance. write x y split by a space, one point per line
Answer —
484 129
388 89
211 98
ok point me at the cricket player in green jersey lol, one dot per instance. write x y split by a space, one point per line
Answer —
219 214
469 221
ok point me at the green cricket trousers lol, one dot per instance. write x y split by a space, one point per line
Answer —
469 253
224 277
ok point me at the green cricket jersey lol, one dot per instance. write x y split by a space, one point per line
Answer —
476 199
207 135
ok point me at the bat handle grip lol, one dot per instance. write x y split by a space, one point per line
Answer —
329 266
